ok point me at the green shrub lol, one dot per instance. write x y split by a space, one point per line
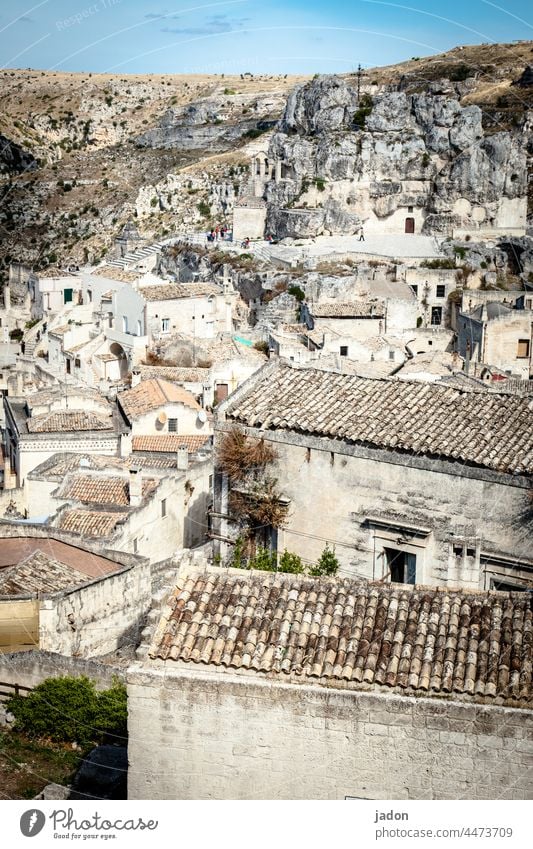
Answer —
365 108
71 709
238 560
204 209
320 183
441 262
327 564
426 159
459 251
229 91
289 562
264 560
461 73
261 346
253 133
297 293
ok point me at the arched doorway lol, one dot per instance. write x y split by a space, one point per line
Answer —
409 225
119 369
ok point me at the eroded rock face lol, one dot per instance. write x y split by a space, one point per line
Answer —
13 159
419 151
328 103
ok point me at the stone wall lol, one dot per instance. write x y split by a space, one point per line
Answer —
248 223
363 500
29 668
98 618
225 736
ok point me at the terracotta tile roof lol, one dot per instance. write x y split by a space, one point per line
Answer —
354 309
422 418
68 420
175 374
15 549
59 331
169 442
89 523
59 465
342 632
39 573
102 489
112 272
171 291
152 394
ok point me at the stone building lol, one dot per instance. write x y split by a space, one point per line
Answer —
64 418
262 686
62 595
408 481
151 503
198 310
498 335
156 406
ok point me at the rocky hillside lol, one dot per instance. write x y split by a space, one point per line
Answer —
80 154
350 157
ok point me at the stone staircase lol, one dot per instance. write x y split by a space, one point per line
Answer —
136 256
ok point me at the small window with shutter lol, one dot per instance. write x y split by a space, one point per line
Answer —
523 349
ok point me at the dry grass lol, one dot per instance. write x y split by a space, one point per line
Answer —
260 507
239 455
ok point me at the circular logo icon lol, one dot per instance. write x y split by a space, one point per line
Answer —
32 822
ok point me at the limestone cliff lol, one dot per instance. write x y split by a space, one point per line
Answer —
384 158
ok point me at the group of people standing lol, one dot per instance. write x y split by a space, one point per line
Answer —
218 232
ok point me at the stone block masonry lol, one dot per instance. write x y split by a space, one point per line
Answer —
203 735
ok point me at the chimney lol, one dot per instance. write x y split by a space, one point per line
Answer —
126 444
183 458
7 296
136 486
135 378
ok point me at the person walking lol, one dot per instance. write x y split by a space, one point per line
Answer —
361 234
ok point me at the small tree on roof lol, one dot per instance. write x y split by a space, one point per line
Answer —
327 564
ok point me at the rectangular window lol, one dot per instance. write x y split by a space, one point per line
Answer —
523 349
441 290
391 355
414 287
67 296
125 323
436 315
135 546
165 325
164 508
77 363
401 566
344 350
172 425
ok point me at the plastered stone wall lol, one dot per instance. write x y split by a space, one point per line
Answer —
248 223
334 489
29 668
224 736
501 342
97 618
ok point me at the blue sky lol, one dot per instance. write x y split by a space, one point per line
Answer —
271 36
